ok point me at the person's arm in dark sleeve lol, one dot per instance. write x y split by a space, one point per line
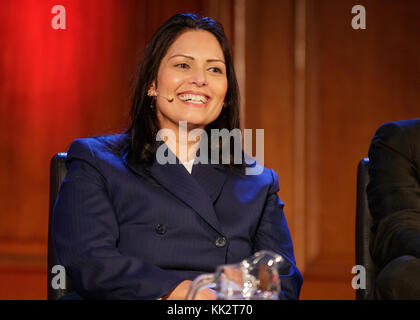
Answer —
86 234
394 196
273 234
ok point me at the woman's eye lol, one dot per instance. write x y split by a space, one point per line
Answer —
216 69
182 65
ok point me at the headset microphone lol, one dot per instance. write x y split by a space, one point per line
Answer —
150 93
169 98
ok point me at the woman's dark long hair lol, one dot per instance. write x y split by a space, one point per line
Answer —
144 124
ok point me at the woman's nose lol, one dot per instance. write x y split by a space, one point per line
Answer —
199 79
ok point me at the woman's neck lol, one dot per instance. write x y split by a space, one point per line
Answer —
178 143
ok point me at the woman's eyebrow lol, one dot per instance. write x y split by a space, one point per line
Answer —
192 58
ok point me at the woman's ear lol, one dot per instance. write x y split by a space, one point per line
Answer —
152 90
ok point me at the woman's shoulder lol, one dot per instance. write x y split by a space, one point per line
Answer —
97 146
256 173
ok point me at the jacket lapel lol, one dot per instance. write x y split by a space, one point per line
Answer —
211 177
198 190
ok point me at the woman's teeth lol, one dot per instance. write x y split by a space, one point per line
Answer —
193 98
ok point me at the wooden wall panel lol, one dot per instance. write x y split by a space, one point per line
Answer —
356 80
320 89
269 86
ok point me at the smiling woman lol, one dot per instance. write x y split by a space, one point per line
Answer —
126 226
194 72
186 73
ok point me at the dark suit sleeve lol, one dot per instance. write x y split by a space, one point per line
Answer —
273 234
394 195
86 232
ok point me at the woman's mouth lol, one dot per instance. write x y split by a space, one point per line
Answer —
193 99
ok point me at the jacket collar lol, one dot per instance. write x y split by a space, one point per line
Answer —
199 190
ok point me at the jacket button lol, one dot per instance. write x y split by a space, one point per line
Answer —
161 228
220 242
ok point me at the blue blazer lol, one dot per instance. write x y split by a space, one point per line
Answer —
123 231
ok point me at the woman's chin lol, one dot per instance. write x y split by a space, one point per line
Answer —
194 122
